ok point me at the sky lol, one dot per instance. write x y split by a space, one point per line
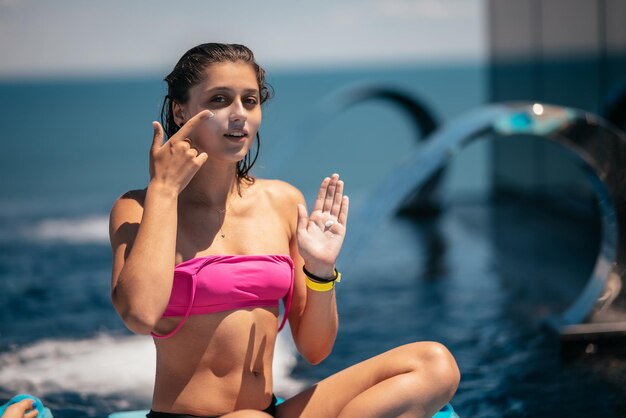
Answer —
125 37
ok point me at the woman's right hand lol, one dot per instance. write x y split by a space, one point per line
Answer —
174 163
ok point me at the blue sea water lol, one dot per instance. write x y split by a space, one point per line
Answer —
481 278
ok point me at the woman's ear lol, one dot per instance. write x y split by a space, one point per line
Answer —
179 113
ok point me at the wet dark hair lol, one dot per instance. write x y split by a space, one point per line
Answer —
190 70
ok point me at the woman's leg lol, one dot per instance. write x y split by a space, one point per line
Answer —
414 380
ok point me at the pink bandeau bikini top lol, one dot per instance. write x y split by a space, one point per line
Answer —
217 283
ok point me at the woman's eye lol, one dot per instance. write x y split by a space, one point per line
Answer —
218 99
251 100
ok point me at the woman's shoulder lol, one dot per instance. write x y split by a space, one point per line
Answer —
128 206
138 195
132 198
280 191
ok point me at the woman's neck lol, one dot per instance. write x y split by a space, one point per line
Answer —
212 186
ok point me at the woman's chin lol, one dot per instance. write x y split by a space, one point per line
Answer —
235 158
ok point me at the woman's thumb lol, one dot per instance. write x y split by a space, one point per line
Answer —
302 218
158 135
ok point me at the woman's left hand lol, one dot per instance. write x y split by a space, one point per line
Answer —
321 235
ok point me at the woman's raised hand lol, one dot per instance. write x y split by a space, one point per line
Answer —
175 162
321 235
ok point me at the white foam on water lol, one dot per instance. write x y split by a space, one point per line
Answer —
88 229
106 365
102 365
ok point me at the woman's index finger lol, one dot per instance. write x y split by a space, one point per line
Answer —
192 123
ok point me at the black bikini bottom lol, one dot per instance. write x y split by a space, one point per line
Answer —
154 414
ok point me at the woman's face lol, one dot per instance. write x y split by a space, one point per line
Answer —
230 90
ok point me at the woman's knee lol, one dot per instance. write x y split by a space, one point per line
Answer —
434 360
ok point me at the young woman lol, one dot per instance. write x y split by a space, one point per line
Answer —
203 254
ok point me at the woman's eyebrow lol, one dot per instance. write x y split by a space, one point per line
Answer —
230 90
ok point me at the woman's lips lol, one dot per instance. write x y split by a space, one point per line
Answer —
236 136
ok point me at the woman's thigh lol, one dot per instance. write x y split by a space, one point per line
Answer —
328 397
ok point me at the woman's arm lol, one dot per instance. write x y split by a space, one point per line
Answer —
142 229
143 233
313 317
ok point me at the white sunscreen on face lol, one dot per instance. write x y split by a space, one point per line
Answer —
221 114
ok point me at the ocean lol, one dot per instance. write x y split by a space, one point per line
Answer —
482 277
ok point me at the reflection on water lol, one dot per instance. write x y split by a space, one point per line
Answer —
482 279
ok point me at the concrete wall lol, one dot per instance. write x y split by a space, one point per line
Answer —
564 52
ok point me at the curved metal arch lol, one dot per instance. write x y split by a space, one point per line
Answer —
420 114
423 201
601 149
341 99
615 107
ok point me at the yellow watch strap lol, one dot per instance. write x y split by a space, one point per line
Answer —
319 287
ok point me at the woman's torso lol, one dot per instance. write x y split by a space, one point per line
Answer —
222 361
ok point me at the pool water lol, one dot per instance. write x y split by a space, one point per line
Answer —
481 278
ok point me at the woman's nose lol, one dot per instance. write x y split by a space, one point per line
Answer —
237 112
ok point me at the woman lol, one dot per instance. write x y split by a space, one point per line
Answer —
204 253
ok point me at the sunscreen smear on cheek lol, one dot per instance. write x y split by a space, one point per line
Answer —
219 115
216 120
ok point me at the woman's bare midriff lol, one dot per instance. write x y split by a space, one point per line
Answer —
216 363
221 362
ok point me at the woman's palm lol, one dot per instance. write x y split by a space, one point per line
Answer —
321 235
